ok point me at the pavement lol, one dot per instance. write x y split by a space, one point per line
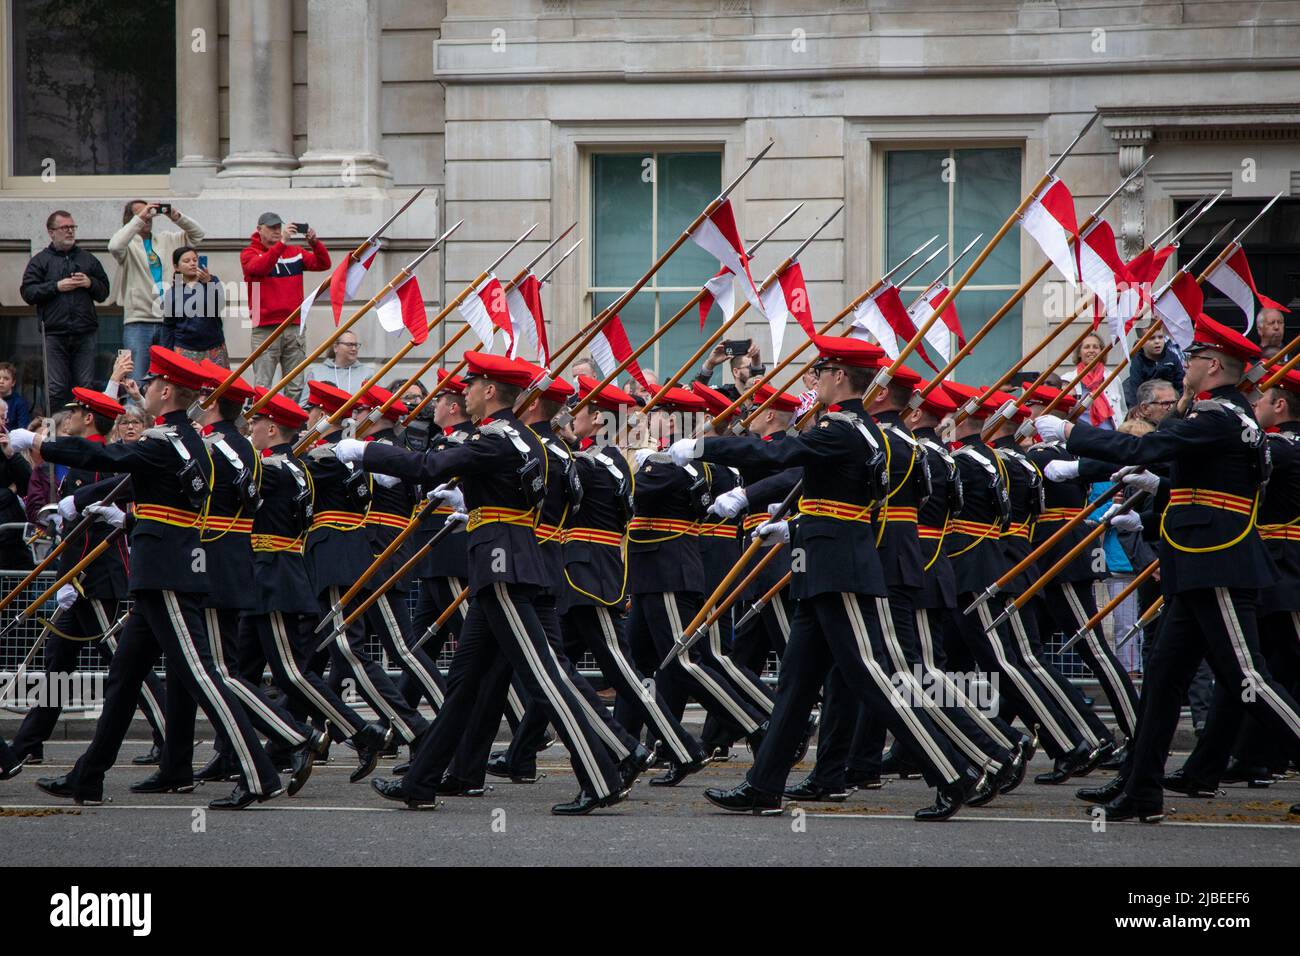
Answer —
332 822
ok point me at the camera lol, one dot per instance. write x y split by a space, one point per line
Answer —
164 208
301 228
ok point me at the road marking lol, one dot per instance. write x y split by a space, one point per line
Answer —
1086 821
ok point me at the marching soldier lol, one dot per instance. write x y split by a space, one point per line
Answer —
1214 562
234 499
338 554
665 576
1068 601
284 606
973 544
847 724
839 585
170 473
502 469
91 605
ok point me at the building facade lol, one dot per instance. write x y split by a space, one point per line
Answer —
922 118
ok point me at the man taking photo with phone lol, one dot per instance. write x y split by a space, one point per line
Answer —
273 269
745 361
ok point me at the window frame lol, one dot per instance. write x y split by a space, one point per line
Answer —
62 186
589 289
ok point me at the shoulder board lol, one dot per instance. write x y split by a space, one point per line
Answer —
966 451
1053 445
557 448
847 417
1289 437
596 455
1227 407
219 443
498 427
164 432
660 458
900 433
938 449
320 452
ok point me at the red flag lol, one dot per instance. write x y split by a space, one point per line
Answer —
887 306
1050 220
525 305
722 290
347 277
1232 277
796 297
485 310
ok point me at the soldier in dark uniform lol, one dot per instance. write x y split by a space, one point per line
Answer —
1214 563
596 578
838 582
973 544
850 732
1068 602
443 571
284 608
91 605
665 578
502 471
224 534
1027 498
170 476
564 493
1278 613
338 554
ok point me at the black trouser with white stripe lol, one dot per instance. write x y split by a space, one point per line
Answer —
86 618
1020 689
502 622
655 623
848 725
1279 638
844 630
1024 630
1218 624
349 660
270 717
170 623
1069 605
595 629
389 618
288 641
470 762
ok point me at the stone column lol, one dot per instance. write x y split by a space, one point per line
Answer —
343 87
261 94
198 137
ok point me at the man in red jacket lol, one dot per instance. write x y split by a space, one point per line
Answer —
273 270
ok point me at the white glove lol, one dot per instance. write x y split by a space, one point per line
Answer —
66 596
778 531
683 450
457 517
20 439
729 503
1061 470
1128 521
111 514
1143 481
350 451
641 455
68 509
387 481
453 498
1050 428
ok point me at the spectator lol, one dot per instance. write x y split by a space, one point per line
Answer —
15 475
273 271
1102 410
413 395
1158 358
741 366
130 424
39 493
120 380
584 366
142 271
191 310
1154 401
64 282
1270 325
1126 554
19 413
343 370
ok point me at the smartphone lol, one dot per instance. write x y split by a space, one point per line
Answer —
122 352
203 263
734 347
165 208
302 227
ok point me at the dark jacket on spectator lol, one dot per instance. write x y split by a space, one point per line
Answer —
64 313
192 315
20 413
1168 366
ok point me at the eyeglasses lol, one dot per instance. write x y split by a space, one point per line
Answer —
1169 404
350 345
63 229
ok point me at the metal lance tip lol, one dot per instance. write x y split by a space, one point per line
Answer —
328 619
989 593
329 640
999 620
1078 636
